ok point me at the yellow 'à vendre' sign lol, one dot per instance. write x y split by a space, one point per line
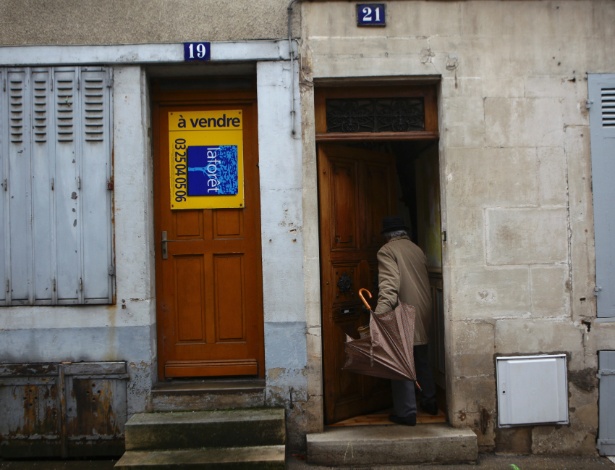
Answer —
206 159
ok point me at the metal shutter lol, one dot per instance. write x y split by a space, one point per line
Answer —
55 168
606 437
602 131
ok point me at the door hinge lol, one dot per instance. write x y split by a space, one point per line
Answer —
605 372
112 270
5 184
597 290
110 184
80 284
588 104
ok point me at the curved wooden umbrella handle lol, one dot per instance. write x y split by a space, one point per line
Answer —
369 294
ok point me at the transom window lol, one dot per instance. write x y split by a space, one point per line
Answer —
375 115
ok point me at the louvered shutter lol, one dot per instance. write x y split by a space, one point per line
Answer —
606 373
602 131
55 153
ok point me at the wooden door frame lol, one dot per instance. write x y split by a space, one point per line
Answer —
188 93
376 89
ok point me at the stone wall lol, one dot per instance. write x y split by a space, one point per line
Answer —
515 177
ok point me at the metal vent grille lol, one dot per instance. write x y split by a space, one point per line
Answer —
16 104
608 107
94 109
40 105
65 102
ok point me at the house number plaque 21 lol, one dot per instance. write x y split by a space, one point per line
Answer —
371 14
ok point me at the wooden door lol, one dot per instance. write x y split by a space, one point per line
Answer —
357 188
208 276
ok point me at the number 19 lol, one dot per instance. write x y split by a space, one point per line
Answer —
201 51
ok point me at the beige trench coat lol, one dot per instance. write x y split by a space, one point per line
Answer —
402 273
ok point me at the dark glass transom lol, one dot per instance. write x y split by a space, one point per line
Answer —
375 115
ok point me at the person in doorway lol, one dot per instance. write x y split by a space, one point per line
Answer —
403 277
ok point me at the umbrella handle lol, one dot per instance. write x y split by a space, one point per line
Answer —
369 294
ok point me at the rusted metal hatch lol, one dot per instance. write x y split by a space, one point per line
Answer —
62 409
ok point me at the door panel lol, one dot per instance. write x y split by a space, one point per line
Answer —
208 281
356 190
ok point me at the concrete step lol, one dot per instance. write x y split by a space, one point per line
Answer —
198 429
392 445
263 457
208 395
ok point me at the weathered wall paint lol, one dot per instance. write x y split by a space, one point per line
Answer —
282 243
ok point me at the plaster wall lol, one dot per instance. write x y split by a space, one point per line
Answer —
72 22
282 244
518 261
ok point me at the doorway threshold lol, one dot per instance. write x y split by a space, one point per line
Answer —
376 446
210 385
381 418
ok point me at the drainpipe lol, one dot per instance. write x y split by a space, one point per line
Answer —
292 67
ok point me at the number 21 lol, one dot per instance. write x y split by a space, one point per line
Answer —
367 14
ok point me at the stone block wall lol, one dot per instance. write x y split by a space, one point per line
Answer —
515 177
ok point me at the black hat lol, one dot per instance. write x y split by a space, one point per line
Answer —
391 224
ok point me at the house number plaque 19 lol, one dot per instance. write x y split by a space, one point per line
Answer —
197 51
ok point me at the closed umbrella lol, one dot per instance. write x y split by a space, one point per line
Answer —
387 351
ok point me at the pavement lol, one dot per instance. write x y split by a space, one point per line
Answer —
297 462
487 462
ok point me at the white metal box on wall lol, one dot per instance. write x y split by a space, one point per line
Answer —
532 390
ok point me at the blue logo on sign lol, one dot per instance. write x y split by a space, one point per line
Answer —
212 171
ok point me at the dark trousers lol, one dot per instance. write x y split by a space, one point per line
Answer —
404 395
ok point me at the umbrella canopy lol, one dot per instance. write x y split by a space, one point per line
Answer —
388 351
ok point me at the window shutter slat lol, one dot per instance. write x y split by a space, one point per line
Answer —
4 220
95 196
42 157
67 204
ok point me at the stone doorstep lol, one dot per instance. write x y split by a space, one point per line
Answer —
208 386
390 445
196 429
262 457
179 395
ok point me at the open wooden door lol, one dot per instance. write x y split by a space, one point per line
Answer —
208 260
357 188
